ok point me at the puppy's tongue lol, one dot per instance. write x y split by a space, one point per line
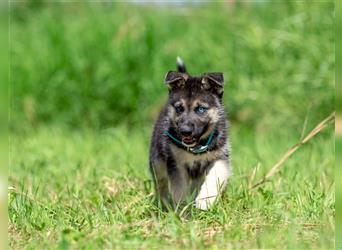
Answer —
188 139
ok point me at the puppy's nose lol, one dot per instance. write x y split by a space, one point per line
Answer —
185 130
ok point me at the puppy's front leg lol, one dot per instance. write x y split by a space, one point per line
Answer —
160 179
214 183
178 186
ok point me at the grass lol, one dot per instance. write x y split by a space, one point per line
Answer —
113 71
92 190
338 172
84 94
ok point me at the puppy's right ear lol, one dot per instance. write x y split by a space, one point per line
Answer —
175 79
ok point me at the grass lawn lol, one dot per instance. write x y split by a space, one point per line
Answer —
338 179
87 83
86 189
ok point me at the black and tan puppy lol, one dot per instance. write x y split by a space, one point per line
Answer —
189 151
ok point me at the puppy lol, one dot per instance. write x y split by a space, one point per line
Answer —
189 154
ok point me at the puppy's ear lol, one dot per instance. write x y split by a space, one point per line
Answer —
213 81
175 79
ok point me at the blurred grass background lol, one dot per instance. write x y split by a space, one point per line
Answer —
4 107
99 65
338 127
87 84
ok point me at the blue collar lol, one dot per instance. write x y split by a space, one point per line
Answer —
195 150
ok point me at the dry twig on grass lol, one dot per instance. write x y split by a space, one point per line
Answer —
293 149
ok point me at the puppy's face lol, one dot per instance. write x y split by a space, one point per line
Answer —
195 104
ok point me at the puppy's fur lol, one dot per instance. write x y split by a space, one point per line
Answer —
193 113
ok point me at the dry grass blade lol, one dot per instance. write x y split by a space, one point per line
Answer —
294 148
251 178
338 125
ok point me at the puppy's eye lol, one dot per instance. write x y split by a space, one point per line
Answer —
200 110
179 109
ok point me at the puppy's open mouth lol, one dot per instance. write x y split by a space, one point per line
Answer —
189 141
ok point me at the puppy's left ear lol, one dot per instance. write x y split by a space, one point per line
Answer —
213 81
175 79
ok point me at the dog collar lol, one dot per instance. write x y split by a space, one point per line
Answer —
195 150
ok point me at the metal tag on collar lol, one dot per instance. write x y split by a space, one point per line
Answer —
200 149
